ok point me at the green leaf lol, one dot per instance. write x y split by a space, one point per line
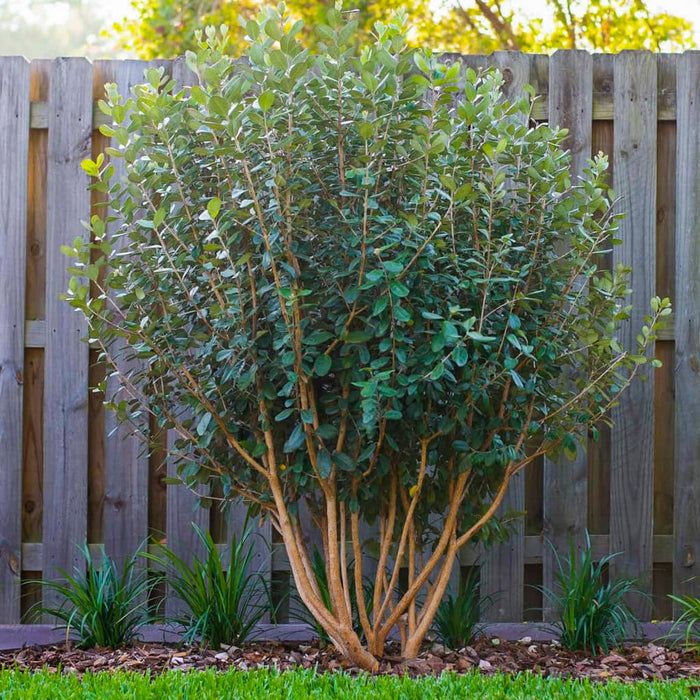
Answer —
398 289
327 431
322 365
438 371
295 440
252 29
324 463
283 415
396 268
213 207
480 337
203 424
317 337
344 462
460 356
380 305
357 337
266 99
272 29
365 130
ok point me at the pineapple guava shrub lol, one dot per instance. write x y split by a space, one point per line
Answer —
360 282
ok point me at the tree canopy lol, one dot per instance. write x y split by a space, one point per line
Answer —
163 28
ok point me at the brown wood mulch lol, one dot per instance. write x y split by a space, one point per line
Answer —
643 662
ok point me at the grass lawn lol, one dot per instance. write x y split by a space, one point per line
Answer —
256 685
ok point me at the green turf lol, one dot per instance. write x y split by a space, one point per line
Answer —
300 685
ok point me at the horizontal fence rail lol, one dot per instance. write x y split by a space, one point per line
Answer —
68 476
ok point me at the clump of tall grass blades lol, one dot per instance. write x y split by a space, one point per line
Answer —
222 604
686 628
591 614
457 619
102 606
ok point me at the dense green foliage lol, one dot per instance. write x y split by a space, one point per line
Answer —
99 604
160 28
360 281
222 602
255 685
590 613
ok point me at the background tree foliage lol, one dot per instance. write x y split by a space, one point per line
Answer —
166 28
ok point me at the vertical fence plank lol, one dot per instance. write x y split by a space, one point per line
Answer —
32 416
599 450
126 456
664 415
632 467
14 147
66 361
565 482
686 555
183 509
502 574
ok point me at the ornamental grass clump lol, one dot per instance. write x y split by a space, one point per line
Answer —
103 606
358 281
458 615
221 602
590 612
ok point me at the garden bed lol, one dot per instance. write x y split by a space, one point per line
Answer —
487 655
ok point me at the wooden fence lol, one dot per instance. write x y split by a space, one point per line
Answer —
68 476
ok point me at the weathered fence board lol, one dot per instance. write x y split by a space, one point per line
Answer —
502 573
125 456
66 355
686 569
566 481
636 490
14 145
632 460
599 451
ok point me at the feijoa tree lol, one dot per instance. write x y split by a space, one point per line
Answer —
357 281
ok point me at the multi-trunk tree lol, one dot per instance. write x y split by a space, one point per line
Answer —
357 283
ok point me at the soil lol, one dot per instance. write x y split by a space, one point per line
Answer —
488 655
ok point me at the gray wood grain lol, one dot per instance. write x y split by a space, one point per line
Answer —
565 482
502 573
632 464
686 565
66 359
14 145
183 509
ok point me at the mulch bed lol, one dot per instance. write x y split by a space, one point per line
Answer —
644 662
